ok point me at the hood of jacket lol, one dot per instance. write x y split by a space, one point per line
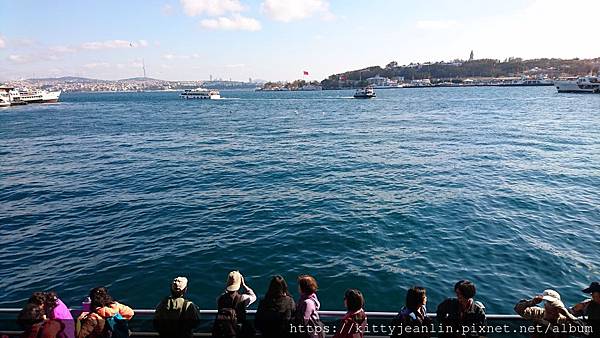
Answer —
312 297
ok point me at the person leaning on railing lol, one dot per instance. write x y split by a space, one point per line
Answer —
307 320
590 309
231 307
34 323
462 312
55 309
274 314
175 316
106 318
354 323
413 316
552 318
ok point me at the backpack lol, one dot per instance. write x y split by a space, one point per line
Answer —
170 321
227 323
116 327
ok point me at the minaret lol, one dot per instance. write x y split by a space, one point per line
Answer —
471 57
144 67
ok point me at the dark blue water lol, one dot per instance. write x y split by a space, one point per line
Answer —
418 186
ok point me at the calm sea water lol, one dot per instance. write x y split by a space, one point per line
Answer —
418 186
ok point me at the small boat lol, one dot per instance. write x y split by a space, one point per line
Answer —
585 84
365 93
201 93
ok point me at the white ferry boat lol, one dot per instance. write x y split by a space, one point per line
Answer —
39 96
364 93
201 93
585 84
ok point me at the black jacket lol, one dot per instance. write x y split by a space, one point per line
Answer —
274 316
450 314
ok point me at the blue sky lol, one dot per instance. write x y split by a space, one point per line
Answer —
278 39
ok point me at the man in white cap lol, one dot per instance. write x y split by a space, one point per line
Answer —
553 317
231 306
175 316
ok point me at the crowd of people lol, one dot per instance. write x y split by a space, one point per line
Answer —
278 315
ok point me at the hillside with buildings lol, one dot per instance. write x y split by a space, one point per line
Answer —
459 70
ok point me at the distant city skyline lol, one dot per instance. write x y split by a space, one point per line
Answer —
277 39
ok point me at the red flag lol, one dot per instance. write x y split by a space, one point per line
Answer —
305 73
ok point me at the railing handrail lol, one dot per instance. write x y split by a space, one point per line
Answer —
323 313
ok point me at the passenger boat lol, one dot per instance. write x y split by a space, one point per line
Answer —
585 84
38 96
365 93
201 93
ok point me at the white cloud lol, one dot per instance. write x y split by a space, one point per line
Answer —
436 24
32 58
237 22
2 43
292 10
62 49
112 44
16 58
236 65
211 7
172 56
95 65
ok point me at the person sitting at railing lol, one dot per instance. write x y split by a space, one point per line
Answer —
274 313
590 309
412 319
33 321
462 316
175 316
551 319
54 308
306 319
108 318
353 324
231 306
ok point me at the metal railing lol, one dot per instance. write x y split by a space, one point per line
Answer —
208 315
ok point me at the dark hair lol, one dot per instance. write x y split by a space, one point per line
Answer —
48 299
277 288
354 300
37 298
100 298
30 315
308 284
415 297
466 288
